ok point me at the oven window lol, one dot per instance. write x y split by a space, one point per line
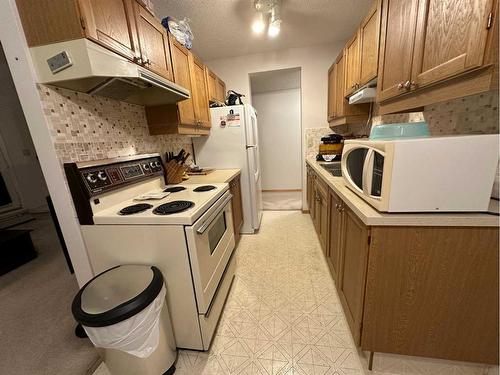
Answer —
216 232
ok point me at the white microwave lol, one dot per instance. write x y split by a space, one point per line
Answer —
445 174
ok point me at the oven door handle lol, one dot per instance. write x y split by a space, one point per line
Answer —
213 216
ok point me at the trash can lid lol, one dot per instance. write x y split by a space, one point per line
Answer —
116 295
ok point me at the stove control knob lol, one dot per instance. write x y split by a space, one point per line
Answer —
102 176
146 167
152 164
91 178
157 164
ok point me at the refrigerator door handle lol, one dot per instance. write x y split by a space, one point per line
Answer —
247 147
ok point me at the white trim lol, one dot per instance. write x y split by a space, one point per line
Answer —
21 67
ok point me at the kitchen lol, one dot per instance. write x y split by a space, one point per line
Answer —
307 296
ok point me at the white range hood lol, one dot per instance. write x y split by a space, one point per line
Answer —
365 95
84 66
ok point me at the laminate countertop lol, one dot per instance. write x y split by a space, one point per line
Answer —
371 216
214 177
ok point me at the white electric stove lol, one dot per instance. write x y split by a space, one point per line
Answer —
129 216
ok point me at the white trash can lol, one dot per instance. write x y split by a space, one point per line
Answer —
124 312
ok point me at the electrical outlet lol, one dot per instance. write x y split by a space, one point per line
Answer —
59 62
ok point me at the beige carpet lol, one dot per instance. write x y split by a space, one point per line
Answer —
36 325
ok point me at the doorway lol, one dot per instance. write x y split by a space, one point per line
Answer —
276 96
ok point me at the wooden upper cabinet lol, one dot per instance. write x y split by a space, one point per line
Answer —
220 90
112 24
332 78
339 109
211 84
199 91
399 20
450 39
352 65
182 77
153 42
369 37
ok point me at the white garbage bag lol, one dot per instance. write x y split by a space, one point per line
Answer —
138 335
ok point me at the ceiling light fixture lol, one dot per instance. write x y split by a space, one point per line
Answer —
275 24
267 10
259 25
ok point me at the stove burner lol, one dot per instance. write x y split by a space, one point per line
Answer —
205 188
135 208
172 207
174 189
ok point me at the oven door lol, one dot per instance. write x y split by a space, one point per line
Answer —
210 244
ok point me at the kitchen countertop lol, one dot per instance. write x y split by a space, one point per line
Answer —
371 216
216 176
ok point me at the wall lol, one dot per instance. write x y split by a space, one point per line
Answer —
314 63
85 127
17 140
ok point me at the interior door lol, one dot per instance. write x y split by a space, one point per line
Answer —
153 41
399 20
450 38
111 23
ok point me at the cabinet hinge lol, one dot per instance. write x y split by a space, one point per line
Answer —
490 21
82 22
369 240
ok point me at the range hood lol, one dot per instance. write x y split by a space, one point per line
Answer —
84 66
365 95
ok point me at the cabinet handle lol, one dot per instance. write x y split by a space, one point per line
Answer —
407 85
138 59
400 86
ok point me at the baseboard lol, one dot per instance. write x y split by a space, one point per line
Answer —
305 211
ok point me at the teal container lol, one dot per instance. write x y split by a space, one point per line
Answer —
403 130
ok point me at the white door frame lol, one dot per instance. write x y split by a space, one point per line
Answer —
24 77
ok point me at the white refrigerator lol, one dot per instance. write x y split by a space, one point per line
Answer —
234 143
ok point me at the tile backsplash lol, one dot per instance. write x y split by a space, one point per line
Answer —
86 127
475 114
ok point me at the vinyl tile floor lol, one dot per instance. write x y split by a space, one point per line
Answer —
283 315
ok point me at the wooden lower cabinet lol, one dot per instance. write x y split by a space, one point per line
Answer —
334 234
352 271
320 219
310 191
433 292
237 206
419 291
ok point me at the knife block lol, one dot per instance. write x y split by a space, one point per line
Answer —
174 172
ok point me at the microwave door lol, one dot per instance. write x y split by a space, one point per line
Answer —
368 173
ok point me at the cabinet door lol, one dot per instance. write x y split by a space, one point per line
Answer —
369 34
220 90
153 41
182 77
332 78
200 91
111 23
310 191
323 221
352 65
212 85
339 87
335 233
450 38
399 21
354 257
